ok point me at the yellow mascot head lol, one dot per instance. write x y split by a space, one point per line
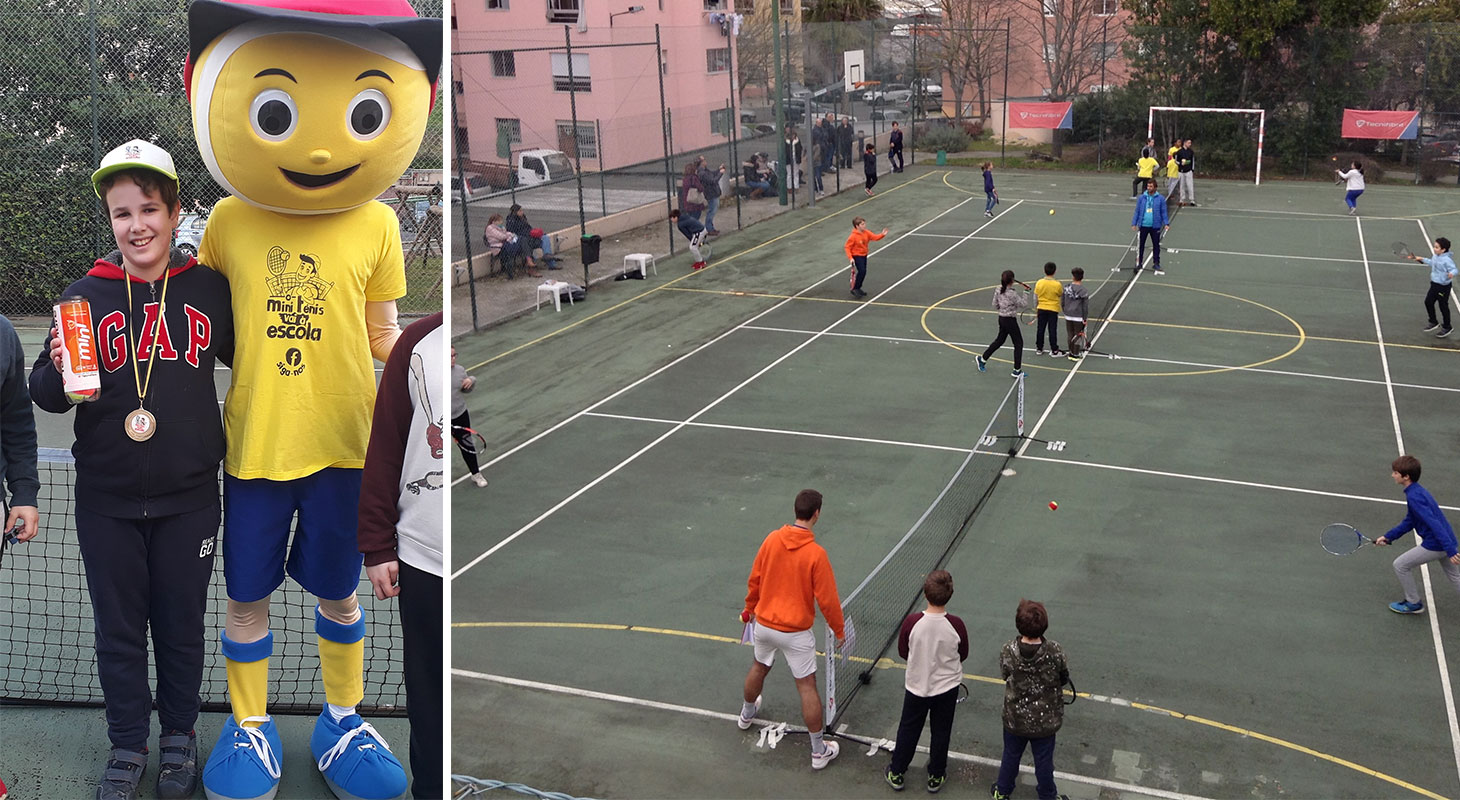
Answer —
310 106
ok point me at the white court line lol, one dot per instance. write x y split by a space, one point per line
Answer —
1166 361
1206 210
1068 461
720 399
589 694
1070 376
695 351
1128 247
1424 574
787 432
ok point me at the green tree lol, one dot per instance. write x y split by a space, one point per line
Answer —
840 10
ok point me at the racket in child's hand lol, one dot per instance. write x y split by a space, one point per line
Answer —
962 693
1401 249
1027 315
11 536
1342 540
469 439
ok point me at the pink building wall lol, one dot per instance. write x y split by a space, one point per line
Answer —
624 95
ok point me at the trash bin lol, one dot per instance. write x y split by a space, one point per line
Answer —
590 245
942 158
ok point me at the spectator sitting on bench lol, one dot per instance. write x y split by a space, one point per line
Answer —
530 237
507 246
753 179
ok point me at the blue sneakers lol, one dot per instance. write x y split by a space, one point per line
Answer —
244 764
355 760
982 365
1406 607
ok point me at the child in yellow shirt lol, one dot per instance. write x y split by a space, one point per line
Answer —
1173 173
1048 292
1145 170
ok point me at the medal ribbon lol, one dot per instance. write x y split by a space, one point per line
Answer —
156 334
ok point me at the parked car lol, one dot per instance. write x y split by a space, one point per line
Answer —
747 117
880 93
930 86
189 232
896 97
889 114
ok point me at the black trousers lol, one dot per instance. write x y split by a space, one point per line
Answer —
860 264
894 158
1438 293
1008 329
914 710
1138 185
141 573
1046 320
457 423
1155 236
871 180
420 616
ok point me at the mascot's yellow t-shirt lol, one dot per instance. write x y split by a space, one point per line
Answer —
303 377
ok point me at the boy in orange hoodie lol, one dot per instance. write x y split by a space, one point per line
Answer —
791 576
857 251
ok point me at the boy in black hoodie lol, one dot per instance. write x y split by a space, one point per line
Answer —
147 454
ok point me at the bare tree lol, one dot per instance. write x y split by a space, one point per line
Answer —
754 59
972 51
1071 37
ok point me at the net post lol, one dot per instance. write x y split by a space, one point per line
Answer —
829 711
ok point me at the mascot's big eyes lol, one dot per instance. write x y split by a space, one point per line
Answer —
369 113
273 115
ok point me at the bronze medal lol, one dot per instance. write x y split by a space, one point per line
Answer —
141 425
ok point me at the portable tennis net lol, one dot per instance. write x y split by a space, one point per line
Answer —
47 652
893 588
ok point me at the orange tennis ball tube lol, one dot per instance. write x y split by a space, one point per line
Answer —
79 373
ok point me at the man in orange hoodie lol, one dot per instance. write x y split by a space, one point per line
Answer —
857 251
791 576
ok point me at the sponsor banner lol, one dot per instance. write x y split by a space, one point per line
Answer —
1040 115
1380 124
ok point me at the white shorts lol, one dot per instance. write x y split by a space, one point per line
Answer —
799 649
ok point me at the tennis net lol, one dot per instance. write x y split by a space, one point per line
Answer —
894 587
47 652
1126 268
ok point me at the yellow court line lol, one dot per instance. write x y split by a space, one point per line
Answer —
1338 217
1176 325
887 663
686 276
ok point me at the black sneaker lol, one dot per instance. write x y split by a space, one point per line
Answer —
177 775
894 779
1056 353
1443 333
123 772
935 783
995 793
1433 326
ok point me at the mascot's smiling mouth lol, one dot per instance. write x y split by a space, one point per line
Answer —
309 181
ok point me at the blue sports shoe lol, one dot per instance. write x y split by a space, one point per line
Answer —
1406 607
982 365
355 760
244 764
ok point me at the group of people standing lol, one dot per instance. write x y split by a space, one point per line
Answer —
792 576
1180 171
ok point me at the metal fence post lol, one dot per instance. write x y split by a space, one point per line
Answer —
577 146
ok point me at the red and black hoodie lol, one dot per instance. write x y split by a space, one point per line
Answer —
177 469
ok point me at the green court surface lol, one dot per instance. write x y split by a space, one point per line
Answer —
643 443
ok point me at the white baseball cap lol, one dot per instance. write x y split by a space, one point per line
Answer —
135 154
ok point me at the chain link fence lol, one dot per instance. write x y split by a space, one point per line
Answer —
76 80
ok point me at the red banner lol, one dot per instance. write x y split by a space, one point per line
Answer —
1380 124
1040 115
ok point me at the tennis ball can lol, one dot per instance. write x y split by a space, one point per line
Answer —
80 376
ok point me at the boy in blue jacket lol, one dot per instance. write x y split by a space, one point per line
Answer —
1436 537
1151 220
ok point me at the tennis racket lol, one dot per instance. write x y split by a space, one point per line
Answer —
1027 316
469 440
1401 249
962 693
11 536
1342 540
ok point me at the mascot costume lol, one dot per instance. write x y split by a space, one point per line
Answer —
304 111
